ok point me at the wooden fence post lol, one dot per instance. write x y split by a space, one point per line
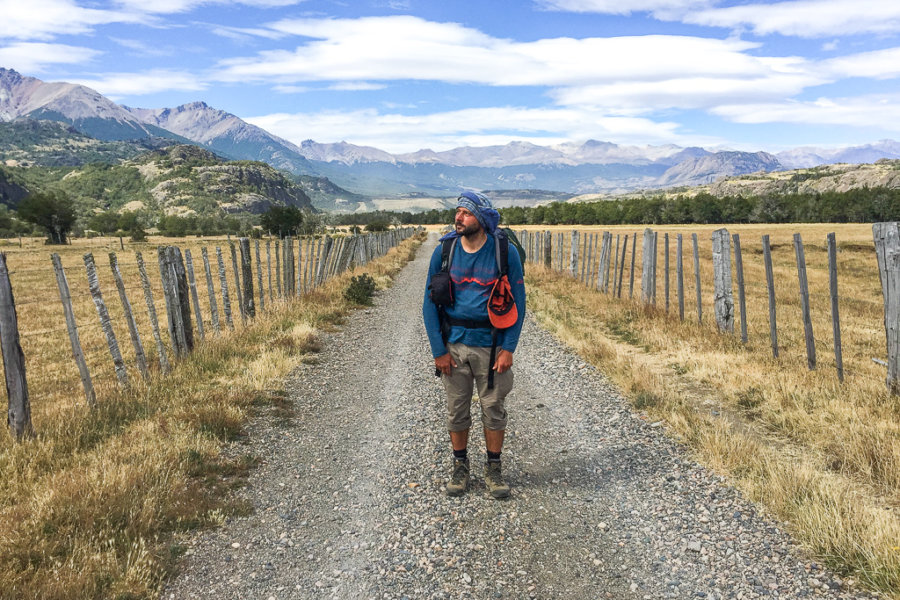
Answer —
804 303
151 311
323 260
723 295
180 275
615 277
770 286
259 278
298 276
210 291
223 286
697 278
278 267
19 412
646 265
269 266
633 256
666 265
573 254
742 298
622 266
105 321
248 307
129 317
887 249
679 274
835 317
66 298
653 262
237 283
192 286
548 249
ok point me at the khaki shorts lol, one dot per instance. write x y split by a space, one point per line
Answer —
471 370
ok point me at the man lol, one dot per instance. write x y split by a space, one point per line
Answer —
462 351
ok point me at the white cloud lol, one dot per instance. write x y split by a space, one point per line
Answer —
410 48
875 111
683 93
44 19
356 86
805 18
880 64
32 57
618 7
397 133
117 85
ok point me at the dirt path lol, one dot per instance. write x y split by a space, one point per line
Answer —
349 499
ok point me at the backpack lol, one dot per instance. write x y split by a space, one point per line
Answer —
501 309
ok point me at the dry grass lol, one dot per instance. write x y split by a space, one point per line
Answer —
823 456
92 502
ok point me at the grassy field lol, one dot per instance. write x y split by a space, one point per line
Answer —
94 501
822 456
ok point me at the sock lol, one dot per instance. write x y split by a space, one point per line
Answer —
493 456
461 454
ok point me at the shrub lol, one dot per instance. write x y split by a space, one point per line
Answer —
360 290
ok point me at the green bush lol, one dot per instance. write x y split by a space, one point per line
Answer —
360 290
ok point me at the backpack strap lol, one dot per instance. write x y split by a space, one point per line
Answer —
447 249
501 253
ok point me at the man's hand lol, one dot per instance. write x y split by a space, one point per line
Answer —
444 363
503 362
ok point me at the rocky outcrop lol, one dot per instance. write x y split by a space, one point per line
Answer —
709 168
830 178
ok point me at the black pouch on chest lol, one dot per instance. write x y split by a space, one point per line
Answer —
441 289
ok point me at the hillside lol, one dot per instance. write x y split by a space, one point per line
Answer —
27 142
177 180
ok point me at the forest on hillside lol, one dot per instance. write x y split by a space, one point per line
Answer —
863 205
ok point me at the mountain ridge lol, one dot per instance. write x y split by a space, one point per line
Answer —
571 167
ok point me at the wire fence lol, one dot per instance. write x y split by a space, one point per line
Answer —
128 313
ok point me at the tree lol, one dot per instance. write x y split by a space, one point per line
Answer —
283 220
52 211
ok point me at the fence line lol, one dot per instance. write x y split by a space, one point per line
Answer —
177 280
577 255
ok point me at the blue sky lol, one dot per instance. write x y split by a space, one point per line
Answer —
402 75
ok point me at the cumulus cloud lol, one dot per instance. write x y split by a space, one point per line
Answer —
410 48
45 19
116 85
880 64
33 57
876 111
617 7
805 18
397 133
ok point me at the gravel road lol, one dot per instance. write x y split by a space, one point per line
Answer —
349 499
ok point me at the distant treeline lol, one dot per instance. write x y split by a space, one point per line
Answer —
863 205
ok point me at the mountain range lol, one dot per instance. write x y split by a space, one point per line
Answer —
361 177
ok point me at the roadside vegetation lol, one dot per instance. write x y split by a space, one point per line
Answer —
93 505
821 456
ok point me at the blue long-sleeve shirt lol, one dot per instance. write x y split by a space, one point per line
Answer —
473 276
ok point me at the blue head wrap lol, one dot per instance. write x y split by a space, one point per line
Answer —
480 206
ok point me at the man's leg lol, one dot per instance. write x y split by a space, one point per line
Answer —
459 386
493 439
493 417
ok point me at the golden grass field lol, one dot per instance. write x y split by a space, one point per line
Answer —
821 455
95 500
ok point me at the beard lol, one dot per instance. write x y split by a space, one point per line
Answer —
464 231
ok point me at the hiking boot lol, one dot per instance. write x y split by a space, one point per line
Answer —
494 480
459 479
